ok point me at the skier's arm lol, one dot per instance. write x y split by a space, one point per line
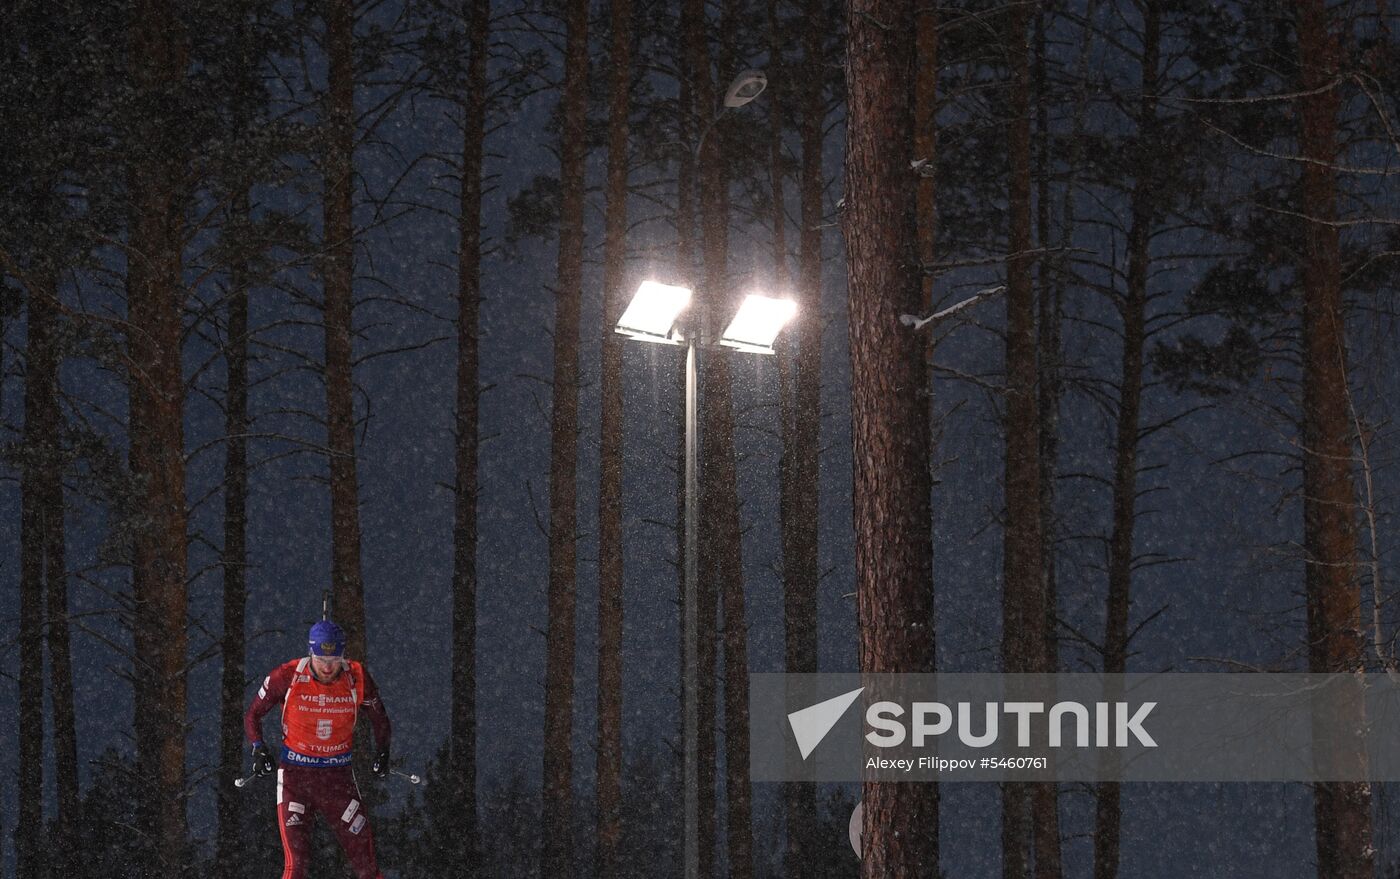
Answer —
272 692
378 717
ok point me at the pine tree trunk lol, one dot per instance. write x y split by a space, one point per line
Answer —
338 272
464 522
559 672
65 733
1045 808
1108 809
889 421
234 561
155 300
802 441
775 98
926 149
1023 617
1335 639
31 848
610 568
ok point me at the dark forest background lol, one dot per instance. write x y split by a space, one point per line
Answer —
1093 370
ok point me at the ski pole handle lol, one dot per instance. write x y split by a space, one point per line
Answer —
412 779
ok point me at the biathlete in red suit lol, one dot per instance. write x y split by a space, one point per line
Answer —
322 695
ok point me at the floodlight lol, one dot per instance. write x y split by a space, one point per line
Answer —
745 87
758 323
652 313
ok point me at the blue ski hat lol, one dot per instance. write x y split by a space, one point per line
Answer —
326 639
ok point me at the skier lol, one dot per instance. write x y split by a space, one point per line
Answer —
321 695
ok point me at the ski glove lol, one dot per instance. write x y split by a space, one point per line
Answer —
263 763
381 763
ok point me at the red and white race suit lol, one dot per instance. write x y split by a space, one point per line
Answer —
318 727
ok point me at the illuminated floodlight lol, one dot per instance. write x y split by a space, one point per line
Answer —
758 323
652 313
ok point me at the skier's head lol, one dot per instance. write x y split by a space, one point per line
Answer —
326 643
326 639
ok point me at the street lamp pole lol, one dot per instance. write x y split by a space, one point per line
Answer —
655 320
655 315
691 710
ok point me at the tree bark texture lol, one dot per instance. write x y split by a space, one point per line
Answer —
889 422
65 733
610 566
1023 609
802 421
338 274
39 462
1335 639
465 489
155 300
234 561
559 659
926 148
1045 798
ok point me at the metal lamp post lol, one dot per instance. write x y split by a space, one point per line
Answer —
656 314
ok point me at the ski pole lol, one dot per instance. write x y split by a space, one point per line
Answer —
412 779
240 782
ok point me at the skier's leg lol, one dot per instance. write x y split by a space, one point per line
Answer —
345 810
294 819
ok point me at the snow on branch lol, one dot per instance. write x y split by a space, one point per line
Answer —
1256 99
918 323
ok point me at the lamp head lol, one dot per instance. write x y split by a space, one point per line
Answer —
654 311
756 325
745 87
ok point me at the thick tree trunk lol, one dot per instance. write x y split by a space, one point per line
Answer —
155 300
338 273
926 148
1108 809
1335 639
889 422
464 518
801 446
1045 798
559 661
610 570
1023 607
234 561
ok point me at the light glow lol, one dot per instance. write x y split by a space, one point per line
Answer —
652 313
758 323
